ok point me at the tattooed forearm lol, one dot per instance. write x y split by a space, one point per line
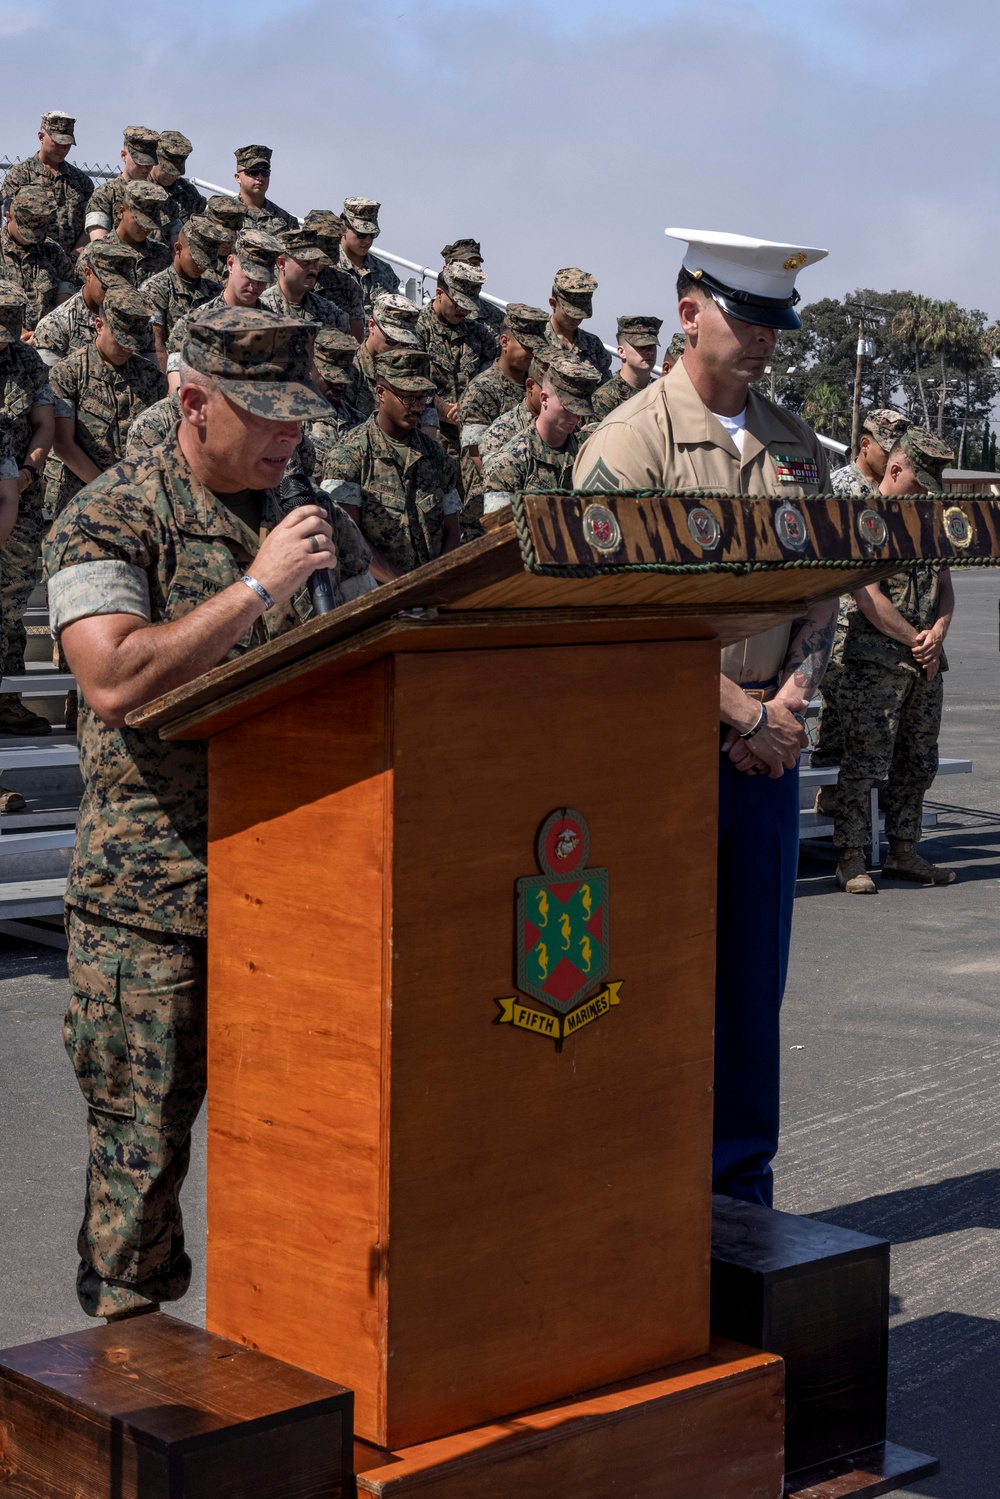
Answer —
809 648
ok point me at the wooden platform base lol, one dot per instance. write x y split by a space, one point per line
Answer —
862 1475
711 1427
156 1407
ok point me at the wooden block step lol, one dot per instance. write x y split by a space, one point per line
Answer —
710 1428
881 1469
156 1407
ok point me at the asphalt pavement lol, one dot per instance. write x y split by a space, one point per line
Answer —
891 1050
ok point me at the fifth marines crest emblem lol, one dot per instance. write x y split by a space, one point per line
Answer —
562 935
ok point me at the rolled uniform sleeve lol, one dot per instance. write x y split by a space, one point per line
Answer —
63 388
502 479
91 588
97 558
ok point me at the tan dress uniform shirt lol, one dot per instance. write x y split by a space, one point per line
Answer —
666 438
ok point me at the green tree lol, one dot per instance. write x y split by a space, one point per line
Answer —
912 325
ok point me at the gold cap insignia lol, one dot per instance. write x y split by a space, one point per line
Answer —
795 261
697 275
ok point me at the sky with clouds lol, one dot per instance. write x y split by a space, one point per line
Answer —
567 132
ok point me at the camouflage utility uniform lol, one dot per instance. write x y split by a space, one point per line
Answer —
71 189
342 290
375 275
891 713
457 354
173 296
499 433
486 397
360 391
149 428
312 309
268 217
67 327
147 539
829 746
403 491
24 384
527 462
612 394
103 399
586 346
43 271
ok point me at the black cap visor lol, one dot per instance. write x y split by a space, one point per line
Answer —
763 312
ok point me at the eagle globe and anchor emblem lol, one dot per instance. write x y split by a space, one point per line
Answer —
562 936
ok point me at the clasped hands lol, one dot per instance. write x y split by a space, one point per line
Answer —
926 650
776 747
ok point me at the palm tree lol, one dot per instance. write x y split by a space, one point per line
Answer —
945 328
823 407
911 324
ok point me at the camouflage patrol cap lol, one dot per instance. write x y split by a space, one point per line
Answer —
526 324
640 332
33 208
141 144
334 355
326 227
227 211
301 245
468 250
540 361
361 215
928 456
205 239
173 150
404 369
126 313
253 156
574 291
143 200
886 426
259 361
112 261
13 304
257 251
675 349
397 316
574 382
463 283
60 127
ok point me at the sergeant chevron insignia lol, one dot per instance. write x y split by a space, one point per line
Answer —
601 480
562 936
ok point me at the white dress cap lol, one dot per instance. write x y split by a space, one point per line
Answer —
745 275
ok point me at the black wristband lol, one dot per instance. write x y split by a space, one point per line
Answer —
760 724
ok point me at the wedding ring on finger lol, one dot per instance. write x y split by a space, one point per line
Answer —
314 543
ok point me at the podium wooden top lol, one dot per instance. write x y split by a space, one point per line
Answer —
570 567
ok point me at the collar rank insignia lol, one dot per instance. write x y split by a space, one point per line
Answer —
796 470
562 936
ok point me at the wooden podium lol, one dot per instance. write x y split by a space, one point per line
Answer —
486 1212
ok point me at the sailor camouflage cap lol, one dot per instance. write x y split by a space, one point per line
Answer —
141 144
326 227
227 211
640 332
334 354
404 369
61 127
574 291
257 251
752 280
886 426
33 208
526 324
468 250
144 200
112 261
463 283
173 150
574 382
259 361
397 317
300 244
361 214
205 238
126 313
13 304
253 156
929 456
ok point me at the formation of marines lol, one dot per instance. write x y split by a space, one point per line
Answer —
166 359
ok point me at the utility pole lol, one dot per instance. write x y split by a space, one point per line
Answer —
863 311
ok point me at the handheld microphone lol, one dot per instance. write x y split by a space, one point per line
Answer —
295 490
